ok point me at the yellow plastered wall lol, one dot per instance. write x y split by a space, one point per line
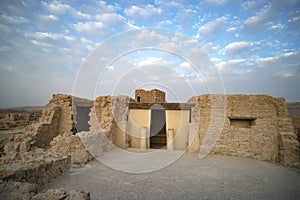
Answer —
178 120
138 118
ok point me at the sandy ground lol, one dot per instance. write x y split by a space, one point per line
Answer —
215 177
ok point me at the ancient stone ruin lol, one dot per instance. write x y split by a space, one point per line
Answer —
18 118
72 131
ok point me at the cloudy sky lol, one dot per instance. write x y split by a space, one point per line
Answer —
51 47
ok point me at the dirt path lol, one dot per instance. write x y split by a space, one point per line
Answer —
215 177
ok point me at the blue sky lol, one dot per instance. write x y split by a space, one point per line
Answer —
254 46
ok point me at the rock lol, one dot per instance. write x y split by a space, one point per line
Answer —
59 194
17 190
78 195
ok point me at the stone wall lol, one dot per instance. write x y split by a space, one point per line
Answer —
270 137
151 96
111 113
71 145
36 166
66 123
22 190
56 118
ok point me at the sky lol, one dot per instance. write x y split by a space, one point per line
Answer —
185 48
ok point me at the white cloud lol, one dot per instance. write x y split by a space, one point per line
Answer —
185 65
165 22
49 17
211 27
235 48
56 7
110 18
285 60
41 44
89 27
82 15
49 35
185 17
212 2
231 30
4 28
103 7
151 61
144 13
211 47
13 19
253 5
294 20
85 41
261 20
145 35
233 66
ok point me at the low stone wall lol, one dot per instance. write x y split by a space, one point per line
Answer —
36 166
62 194
21 190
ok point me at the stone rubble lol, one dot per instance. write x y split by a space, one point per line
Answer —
28 191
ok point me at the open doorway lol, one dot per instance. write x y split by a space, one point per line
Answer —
83 118
158 136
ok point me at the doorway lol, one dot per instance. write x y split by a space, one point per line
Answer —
158 135
83 118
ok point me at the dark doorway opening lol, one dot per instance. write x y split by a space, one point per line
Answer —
158 136
82 118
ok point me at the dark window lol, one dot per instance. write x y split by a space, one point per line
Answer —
240 122
138 99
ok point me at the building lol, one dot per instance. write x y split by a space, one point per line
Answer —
253 126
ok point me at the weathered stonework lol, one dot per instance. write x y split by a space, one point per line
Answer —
152 96
66 123
271 137
71 145
62 194
111 113
17 119
22 190
17 190
36 166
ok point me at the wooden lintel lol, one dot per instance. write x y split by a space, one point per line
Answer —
166 106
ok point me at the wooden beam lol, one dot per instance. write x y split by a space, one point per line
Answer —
166 106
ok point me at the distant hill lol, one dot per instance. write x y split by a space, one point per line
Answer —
22 109
294 109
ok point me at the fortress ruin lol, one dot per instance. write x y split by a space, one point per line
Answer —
252 126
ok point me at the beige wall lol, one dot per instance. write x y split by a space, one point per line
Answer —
136 119
178 120
271 137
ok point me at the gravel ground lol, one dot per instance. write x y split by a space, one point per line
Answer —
215 177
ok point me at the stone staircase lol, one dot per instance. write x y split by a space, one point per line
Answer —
158 141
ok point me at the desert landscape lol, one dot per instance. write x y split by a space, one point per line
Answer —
152 99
